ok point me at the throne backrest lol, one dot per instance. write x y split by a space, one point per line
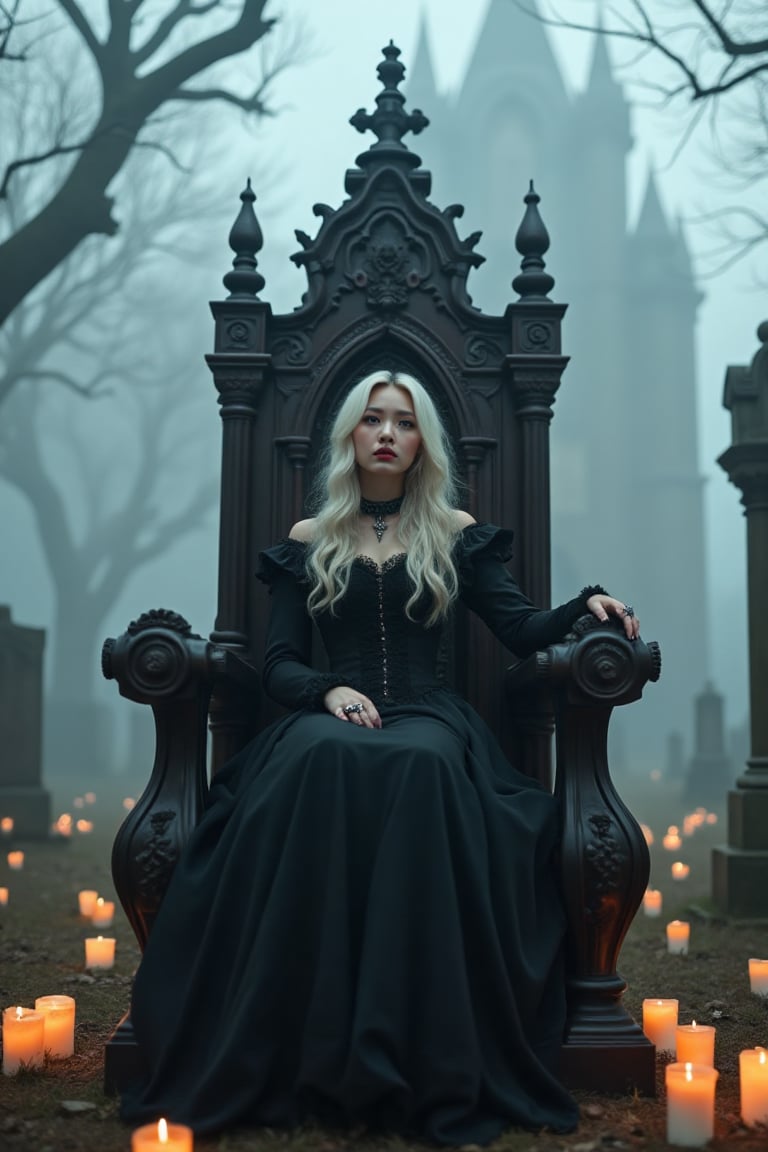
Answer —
387 287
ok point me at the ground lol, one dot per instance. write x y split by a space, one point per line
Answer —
41 952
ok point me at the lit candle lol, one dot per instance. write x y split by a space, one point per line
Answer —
678 936
63 826
86 900
3 896
59 1014
84 826
753 1078
90 797
672 840
23 1032
99 951
103 913
690 1104
660 1024
16 860
758 977
162 1137
6 825
680 871
652 902
696 1044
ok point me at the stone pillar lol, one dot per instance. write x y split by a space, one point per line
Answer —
740 868
22 795
709 772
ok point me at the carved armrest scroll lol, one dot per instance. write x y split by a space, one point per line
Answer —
603 854
159 661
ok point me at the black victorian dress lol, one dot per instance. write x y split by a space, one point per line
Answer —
365 927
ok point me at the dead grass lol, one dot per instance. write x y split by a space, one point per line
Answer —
41 952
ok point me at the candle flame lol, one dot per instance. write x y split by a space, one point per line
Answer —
693 1023
19 1013
162 1131
689 1071
761 1057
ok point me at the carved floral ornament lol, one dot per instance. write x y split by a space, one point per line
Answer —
387 262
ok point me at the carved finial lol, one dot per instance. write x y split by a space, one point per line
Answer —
390 121
532 241
245 240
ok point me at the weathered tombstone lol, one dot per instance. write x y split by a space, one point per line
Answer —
709 772
22 796
740 868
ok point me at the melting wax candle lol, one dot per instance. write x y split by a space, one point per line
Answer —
6 825
652 902
103 913
86 899
690 1103
162 1137
23 1039
660 1024
99 952
758 977
59 1030
696 1044
680 871
16 860
753 1083
678 936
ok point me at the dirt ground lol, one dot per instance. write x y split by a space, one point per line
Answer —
42 952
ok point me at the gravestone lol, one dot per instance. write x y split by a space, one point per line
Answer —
740 867
22 796
710 774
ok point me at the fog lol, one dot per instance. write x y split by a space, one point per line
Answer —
298 158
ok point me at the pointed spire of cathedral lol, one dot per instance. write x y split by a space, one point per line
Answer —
652 222
511 32
421 88
602 104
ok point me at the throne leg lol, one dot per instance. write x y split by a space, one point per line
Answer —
605 869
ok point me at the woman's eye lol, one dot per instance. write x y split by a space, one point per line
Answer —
371 419
407 424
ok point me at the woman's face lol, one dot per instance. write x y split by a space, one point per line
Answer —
387 438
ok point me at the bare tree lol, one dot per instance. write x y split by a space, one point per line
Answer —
715 60
147 62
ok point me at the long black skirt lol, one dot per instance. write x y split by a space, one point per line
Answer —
365 928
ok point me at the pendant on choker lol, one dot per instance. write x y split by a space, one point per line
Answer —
379 509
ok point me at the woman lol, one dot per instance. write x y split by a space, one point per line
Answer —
365 927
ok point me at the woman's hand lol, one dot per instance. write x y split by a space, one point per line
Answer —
351 706
603 606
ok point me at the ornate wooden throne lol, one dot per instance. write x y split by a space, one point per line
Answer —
387 286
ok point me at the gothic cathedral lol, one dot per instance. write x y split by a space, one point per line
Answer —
624 436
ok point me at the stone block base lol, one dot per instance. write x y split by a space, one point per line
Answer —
622 1069
740 882
748 819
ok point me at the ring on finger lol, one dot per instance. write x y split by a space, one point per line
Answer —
353 708
627 610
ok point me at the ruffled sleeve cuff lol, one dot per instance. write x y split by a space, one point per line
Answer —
312 695
478 542
288 557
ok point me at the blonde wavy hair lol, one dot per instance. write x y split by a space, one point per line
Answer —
428 524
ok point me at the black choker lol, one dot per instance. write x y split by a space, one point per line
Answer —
379 509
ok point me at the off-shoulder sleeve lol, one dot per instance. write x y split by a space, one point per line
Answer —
287 558
489 589
287 674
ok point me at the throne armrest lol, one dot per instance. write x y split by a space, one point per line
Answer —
159 661
604 857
